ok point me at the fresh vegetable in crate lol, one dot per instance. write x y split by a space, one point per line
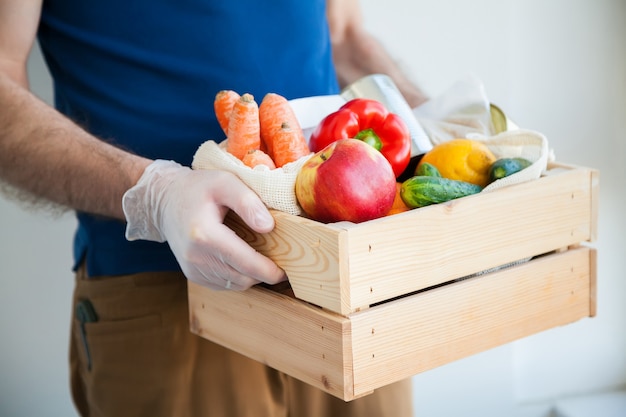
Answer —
267 134
504 167
223 106
454 169
256 157
464 164
427 169
367 120
281 132
424 190
244 132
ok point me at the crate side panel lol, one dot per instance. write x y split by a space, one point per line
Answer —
431 245
595 203
559 167
309 253
593 283
396 340
284 333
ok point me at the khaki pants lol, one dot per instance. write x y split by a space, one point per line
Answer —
140 359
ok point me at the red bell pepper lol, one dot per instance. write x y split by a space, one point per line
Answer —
369 121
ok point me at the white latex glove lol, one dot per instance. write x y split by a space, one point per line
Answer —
186 208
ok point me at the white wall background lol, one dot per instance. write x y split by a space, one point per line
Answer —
555 66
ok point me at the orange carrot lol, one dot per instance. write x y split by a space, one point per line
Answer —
256 157
243 127
287 145
263 147
275 110
223 106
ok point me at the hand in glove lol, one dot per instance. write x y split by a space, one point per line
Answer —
186 208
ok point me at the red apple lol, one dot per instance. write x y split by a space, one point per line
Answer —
347 180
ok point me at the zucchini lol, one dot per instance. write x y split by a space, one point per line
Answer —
504 167
423 190
427 169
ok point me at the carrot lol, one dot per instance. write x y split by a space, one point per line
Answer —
275 110
287 145
223 106
256 157
243 127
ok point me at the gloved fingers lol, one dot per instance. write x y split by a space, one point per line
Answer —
225 280
219 253
233 193
244 260
223 277
187 208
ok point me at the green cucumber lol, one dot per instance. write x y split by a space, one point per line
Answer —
427 169
504 167
423 190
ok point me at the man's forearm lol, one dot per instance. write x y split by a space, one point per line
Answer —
47 155
360 54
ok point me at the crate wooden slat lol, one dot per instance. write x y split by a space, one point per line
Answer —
383 300
345 267
351 355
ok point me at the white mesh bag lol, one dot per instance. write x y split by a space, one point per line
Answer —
275 187
522 143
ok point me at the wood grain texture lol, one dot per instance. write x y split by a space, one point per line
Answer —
307 250
346 267
435 244
399 339
593 283
292 336
350 356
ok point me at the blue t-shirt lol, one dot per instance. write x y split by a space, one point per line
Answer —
143 75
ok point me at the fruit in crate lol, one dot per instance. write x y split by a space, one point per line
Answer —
348 180
462 159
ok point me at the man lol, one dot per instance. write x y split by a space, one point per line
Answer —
134 84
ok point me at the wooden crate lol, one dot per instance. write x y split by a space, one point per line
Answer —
383 300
